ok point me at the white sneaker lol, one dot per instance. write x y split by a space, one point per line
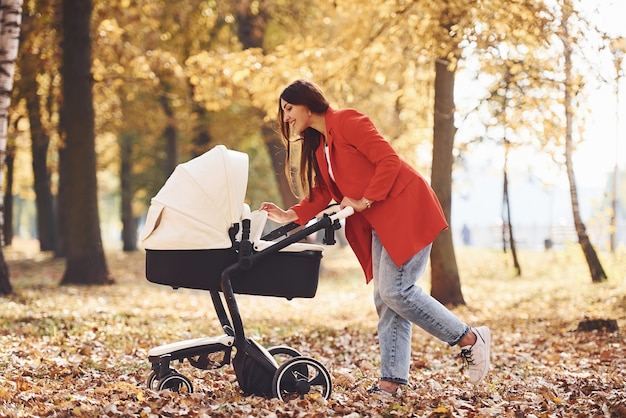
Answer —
477 356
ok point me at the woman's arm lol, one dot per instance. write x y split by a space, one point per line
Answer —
278 215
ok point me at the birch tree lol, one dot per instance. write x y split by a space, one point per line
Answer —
570 87
10 25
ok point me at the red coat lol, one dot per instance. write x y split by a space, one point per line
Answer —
405 214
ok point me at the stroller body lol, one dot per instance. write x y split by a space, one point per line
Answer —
199 234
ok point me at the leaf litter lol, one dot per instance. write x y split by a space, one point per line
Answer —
82 351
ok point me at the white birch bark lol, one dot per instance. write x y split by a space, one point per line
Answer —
10 25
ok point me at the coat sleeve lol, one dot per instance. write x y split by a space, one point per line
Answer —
311 205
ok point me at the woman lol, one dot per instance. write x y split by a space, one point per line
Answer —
397 217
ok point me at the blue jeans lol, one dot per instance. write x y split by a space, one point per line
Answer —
400 303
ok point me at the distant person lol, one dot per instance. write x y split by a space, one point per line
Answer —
397 217
467 235
547 244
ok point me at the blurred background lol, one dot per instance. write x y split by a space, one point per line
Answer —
172 79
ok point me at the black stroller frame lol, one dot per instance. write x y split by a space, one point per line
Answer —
297 376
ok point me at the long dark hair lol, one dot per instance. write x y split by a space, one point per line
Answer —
303 92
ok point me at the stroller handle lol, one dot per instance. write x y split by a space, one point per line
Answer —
343 213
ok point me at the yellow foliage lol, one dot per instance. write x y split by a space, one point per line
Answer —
182 65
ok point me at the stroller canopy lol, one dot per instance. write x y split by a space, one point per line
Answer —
198 203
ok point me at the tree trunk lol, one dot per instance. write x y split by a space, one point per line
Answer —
85 259
445 282
170 134
507 225
202 136
595 267
40 141
5 284
129 221
277 151
252 25
7 222
10 26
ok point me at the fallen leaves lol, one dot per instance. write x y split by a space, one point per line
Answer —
82 352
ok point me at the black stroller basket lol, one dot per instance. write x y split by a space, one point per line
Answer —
271 271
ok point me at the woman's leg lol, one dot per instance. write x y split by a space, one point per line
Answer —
394 331
399 302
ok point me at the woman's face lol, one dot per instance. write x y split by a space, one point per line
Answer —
298 116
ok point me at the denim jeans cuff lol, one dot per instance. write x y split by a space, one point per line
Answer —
467 330
395 380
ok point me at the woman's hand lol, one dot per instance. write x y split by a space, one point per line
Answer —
278 215
358 205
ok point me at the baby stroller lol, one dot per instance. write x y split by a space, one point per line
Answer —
199 234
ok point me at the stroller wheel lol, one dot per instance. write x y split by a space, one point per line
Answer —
176 383
301 376
153 381
282 353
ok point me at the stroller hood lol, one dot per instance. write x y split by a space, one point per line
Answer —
198 203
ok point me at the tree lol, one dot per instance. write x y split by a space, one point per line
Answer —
595 267
378 58
506 104
466 32
507 224
7 212
142 86
78 188
445 281
10 26
617 47
129 221
252 19
35 63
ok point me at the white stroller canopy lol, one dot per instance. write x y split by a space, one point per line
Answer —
198 203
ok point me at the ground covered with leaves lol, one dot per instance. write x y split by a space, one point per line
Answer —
82 351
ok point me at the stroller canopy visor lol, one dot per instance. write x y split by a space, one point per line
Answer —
198 203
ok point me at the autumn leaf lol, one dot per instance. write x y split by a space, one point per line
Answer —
82 351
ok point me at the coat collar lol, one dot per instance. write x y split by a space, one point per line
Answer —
329 118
